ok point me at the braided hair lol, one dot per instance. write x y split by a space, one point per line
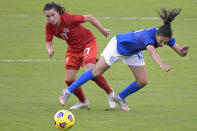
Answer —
53 5
167 16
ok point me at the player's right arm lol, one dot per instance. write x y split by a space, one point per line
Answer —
49 49
152 51
49 38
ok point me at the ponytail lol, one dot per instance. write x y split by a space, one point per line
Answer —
167 16
53 5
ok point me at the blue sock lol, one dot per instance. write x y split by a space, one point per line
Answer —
133 87
86 76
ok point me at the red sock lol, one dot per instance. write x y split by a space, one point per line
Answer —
78 92
101 82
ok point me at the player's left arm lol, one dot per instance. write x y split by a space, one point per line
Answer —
181 50
92 19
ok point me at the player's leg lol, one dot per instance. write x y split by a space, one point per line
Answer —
102 83
100 80
98 70
89 58
72 65
137 66
70 76
140 75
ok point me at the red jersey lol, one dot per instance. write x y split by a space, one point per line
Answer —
70 29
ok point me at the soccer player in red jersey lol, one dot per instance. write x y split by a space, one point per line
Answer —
82 47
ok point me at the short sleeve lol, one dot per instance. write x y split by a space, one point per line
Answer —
148 38
75 19
49 33
172 42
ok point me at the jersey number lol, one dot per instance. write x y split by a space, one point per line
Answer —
64 35
86 52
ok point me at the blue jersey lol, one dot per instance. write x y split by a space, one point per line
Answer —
132 42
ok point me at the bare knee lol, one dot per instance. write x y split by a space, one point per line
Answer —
89 66
142 83
96 72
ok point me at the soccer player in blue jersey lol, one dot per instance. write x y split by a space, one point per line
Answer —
128 47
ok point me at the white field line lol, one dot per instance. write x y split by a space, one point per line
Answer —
104 17
143 18
31 60
55 60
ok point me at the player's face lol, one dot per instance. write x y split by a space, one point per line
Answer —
52 16
162 40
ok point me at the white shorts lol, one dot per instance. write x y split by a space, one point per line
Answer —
111 55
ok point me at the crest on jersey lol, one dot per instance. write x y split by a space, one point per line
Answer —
112 59
66 30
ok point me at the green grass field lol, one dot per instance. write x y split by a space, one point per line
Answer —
29 90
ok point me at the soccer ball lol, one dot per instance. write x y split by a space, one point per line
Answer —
64 119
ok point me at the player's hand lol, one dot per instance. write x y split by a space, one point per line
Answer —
50 53
106 32
184 50
166 68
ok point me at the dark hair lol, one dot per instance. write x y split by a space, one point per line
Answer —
53 5
167 16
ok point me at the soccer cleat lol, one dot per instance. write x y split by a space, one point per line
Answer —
122 103
64 97
112 103
80 105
